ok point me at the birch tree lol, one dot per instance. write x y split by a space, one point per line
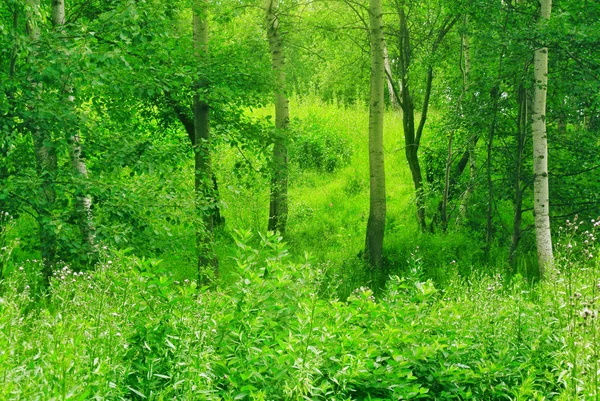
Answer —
540 151
45 156
83 201
377 202
278 209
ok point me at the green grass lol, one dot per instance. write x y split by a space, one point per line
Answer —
295 320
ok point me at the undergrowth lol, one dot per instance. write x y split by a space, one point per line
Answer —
131 331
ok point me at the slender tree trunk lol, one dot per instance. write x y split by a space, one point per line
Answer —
377 206
518 211
466 73
83 201
444 208
413 133
411 137
490 188
390 83
203 182
278 209
46 161
541 195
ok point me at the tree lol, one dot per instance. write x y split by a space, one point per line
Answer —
83 201
540 151
413 131
278 210
45 156
203 182
377 201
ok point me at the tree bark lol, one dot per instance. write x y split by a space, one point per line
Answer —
388 73
83 201
470 152
444 205
203 182
541 202
45 160
518 208
377 201
411 138
278 208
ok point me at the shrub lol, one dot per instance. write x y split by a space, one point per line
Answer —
315 146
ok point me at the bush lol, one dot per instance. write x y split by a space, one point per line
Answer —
316 147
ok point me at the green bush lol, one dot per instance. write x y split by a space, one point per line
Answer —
315 146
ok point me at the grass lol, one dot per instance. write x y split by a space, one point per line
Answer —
284 325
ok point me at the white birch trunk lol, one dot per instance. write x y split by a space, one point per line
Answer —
388 73
83 202
540 152
377 201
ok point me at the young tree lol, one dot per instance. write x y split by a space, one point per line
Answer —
83 201
377 202
540 151
278 210
203 180
413 130
45 156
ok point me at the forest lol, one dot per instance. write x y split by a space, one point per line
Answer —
299 200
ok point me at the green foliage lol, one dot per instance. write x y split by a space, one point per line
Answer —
315 146
130 330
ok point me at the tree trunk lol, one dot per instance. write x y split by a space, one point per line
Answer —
466 73
412 133
518 211
495 95
377 206
83 201
278 208
444 208
541 196
45 160
203 182
390 83
411 138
